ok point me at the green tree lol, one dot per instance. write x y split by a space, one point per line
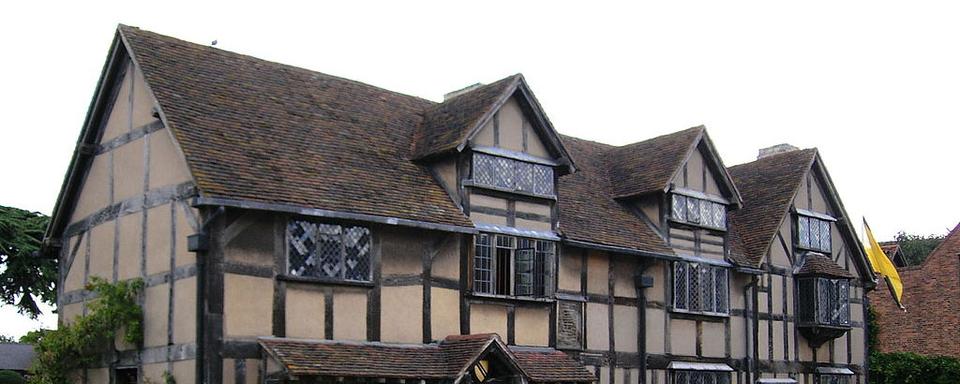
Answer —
916 248
25 278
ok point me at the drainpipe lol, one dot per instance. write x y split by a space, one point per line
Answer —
753 335
641 283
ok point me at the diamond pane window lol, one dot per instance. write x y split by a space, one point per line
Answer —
719 215
512 175
824 301
814 233
825 236
693 210
700 377
706 213
679 207
542 180
327 251
680 297
524 176
803 231
700 288
721 291
698 211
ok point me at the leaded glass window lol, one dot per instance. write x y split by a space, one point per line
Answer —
701 212
814 233
700 377
512 175
508 265
833 379
824 301
700 288
328 251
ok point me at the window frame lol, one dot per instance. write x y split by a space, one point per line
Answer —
513 165
822 220
714 272
832 378
699 202
812 311
541 251
719 377
345 230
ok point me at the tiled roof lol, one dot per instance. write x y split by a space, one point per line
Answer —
588 210
447 125
445 360
259 131
816 264
649 165
767 186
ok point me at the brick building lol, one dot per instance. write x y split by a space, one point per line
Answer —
931 293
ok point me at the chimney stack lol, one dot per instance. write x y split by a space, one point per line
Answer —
461 91
779 148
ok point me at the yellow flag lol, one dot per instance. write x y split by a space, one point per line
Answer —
883 266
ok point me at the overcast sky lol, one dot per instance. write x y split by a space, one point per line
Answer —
875 85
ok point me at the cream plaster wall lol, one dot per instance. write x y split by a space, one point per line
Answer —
156 301
401 317
444 312
485 318
683 337
101 250
532 326
185 310
568 273
248 306
713 339
167 166
158 239
118 119
598 268
598 327
349 314
305 311
625 328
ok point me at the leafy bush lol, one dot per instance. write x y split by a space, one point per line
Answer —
60 352
11 377
911 368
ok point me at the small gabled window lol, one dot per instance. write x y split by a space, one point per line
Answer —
512 175
511 266
813 233
328 251
697 211
700 288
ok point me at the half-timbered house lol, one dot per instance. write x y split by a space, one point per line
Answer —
293 226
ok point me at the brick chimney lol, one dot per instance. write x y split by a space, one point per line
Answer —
779 148
461 91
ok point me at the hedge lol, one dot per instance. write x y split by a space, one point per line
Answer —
911 368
